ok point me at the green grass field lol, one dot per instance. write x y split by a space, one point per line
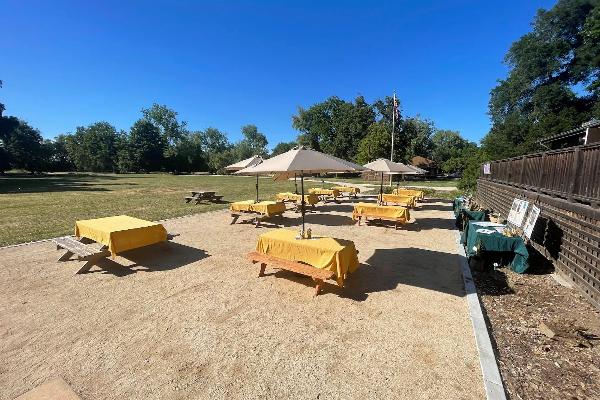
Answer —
42 207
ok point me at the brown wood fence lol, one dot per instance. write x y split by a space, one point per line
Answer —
572 173
565 185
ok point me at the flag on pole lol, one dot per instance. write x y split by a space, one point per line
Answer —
396 112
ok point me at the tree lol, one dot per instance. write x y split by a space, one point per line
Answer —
334 126
56 156
189 154
145 145
283 147
253 143
446 145
538 97
418 133
165 119
376 144
22 145
94 148
217 148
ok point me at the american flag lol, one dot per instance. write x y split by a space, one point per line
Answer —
396 112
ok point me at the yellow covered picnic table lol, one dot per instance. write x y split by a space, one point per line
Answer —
121 233
346 189
393 213
335 255
310 199
267 208
407 201
325 192
419 194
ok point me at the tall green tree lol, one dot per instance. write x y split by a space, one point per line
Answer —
283 147
22 145
539 98
253 143
146 146
376 144
94 148
418 133
218 150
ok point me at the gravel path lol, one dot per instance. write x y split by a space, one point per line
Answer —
196 322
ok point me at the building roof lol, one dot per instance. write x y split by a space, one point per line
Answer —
580 130
421 162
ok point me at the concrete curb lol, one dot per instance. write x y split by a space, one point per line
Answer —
492 381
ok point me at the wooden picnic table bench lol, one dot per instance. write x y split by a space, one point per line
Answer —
199 195
318 275
83 251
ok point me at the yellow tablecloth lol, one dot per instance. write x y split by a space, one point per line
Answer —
336 255
419 194
268 208
324 192
397 213
408 201
121 233
310 198
346 189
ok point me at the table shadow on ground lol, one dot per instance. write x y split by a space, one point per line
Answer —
154 258
386 269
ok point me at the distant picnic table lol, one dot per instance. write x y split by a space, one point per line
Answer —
200 195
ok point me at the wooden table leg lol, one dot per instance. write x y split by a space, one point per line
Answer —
262 269
235 218
65 256
318 285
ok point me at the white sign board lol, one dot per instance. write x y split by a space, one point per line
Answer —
486 168
517 212
530 221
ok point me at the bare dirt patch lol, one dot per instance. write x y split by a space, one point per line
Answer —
546 335
196 322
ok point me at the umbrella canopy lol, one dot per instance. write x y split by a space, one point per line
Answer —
385 166
248 162
302 161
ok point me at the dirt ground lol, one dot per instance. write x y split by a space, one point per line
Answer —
557 360
195 321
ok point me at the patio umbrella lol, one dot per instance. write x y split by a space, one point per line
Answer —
249 162
302 161
387 167
255 162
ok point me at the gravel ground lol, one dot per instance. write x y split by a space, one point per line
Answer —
194 321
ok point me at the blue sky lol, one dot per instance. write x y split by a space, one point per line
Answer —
230 63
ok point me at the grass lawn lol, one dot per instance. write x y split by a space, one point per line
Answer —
41 207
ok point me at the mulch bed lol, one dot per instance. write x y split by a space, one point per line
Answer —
546 335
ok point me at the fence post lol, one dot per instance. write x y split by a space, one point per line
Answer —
542 173
523 159
575 172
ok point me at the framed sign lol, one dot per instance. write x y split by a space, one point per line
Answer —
517 212
486 169
534 213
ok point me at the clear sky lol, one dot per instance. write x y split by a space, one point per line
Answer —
230 63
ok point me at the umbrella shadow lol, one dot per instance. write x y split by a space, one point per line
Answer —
155 258
387 269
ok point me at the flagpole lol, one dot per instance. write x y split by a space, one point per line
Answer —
393 128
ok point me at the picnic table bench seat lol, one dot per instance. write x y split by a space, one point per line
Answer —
318 275
84 252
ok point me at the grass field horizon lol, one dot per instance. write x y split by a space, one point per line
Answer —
36 207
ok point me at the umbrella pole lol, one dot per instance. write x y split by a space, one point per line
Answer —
295 185
302 202
257 188
381 190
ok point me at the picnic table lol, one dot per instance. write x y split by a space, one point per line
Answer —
419 194
310 199
260 210
397 214
324 193
116 235
406 201
482 237
337 256
350 190
200 195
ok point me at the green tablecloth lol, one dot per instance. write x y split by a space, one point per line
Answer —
476 242
468 215
457 205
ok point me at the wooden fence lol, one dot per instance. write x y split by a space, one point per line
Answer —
565 185
572 173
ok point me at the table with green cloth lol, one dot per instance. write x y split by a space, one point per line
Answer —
457 205
468 215
477 239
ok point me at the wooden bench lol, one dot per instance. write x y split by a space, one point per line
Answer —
84 252
318 275
197 197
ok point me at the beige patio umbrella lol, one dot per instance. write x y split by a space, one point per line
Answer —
387 167
248 162
302 161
